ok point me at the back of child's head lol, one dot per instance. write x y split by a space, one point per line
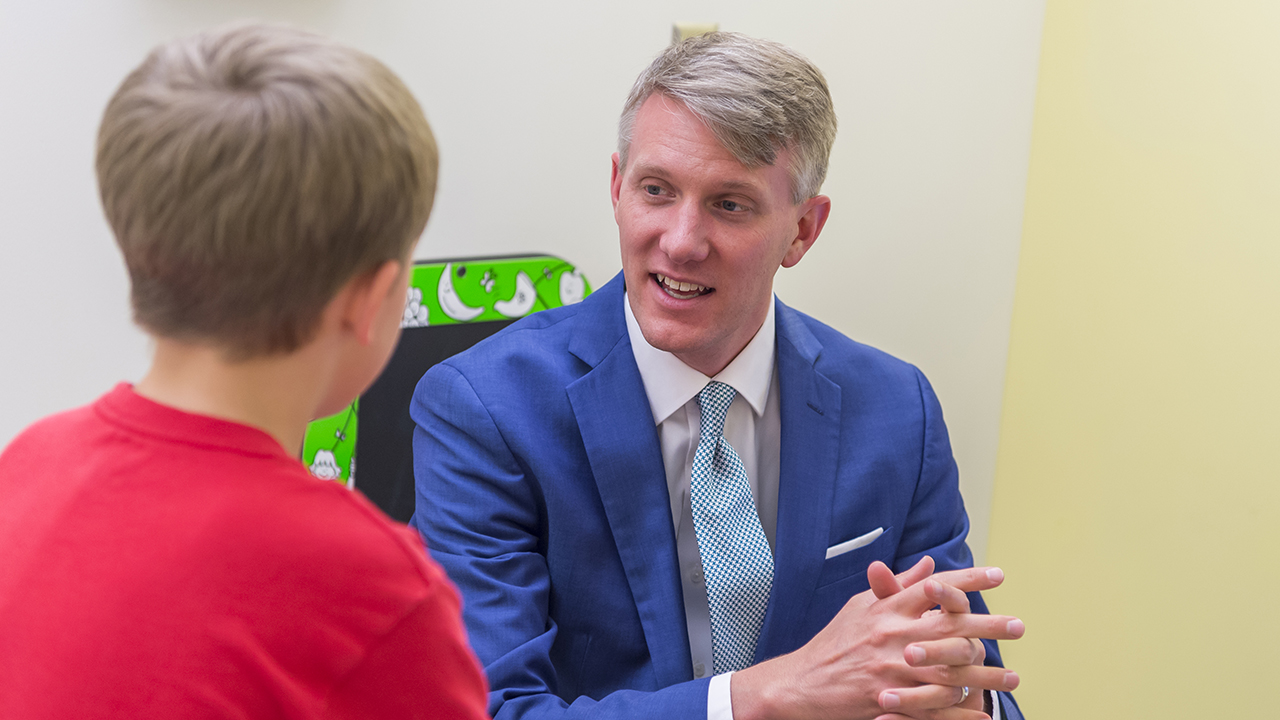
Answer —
249 173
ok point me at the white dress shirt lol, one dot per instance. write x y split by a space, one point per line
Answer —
753 426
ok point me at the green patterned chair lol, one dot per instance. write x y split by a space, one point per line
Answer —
452 305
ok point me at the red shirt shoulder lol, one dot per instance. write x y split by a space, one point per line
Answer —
164 564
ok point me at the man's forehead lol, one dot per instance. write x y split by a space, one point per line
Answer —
671 141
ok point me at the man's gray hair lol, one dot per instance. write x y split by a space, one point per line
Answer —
757 97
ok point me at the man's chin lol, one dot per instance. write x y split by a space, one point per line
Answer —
683 342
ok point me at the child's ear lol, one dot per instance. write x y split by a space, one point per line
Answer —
366 298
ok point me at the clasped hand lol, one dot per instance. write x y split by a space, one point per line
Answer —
906 648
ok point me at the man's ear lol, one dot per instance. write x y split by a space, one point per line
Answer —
365 296
615 182
813 216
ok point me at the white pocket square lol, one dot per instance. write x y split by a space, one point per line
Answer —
854 544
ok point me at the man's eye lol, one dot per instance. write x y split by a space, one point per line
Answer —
652 189
731 206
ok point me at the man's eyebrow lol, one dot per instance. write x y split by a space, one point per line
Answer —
727 185
647 169
741 185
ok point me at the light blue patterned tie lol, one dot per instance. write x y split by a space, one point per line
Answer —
736 560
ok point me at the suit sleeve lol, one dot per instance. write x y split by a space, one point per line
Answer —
482 518
937 524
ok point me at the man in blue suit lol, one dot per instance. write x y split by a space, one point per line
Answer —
683 499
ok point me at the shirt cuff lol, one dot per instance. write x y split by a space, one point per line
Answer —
994 697
719 701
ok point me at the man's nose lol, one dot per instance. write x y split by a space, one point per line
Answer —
685 240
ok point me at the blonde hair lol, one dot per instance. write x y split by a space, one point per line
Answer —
250 172
757 97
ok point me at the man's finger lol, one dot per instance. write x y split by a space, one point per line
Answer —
974 677
915 602
948 651
945 596
931 701
921 570
971 625
974 579
952 713
882 581
948 714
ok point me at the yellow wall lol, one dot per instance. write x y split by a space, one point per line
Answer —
1137 497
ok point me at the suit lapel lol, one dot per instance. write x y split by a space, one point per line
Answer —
810 410
622 448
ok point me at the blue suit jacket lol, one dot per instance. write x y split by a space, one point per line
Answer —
541 491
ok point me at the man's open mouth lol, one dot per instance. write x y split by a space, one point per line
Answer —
681 290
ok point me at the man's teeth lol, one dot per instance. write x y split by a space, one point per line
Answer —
681 287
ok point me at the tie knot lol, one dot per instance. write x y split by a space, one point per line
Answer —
714 402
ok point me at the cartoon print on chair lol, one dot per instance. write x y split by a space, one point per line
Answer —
522 302
450 303
415 313
482 289
573 287
329 446
324 466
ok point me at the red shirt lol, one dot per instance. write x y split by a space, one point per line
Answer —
159 564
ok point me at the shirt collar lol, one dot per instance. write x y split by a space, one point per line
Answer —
669 383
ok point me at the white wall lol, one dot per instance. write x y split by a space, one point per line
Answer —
928 172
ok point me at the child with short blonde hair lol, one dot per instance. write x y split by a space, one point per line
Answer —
165 552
